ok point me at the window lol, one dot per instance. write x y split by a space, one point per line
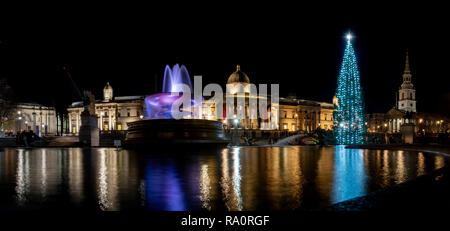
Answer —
105 127
128 113
119 127
403 105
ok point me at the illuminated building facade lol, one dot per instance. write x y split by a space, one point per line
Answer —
113 112
305 115
290 114
405 112
32 117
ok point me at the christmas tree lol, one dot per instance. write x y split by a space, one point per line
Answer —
349 116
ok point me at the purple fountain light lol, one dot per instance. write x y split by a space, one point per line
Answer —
175 76
159 106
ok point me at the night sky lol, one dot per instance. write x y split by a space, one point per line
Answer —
298 48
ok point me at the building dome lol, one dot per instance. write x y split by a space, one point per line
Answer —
107 92
238 76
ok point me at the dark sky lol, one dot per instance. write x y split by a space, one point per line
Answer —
297 47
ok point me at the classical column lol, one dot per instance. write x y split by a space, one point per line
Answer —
390 125
109 120
395 125
70 123
48 122
77 123
101 121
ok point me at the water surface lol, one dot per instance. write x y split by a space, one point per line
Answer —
250 178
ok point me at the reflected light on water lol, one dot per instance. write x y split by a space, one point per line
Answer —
420 164
21 178
205 187
234 179
163 187
400 171
350 176
237 178
44 173
76 175
439 162
103 183
107 179
385 170
231 179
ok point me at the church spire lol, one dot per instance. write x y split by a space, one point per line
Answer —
407 73
407 70
407 94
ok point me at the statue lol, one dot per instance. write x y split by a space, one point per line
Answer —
89 131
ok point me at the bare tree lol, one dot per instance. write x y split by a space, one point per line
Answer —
7 104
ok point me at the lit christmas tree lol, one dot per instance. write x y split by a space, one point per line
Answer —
350 116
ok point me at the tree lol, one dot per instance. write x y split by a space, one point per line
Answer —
349 116
7 104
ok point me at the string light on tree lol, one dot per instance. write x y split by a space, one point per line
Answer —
349 116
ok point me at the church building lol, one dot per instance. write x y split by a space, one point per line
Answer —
405 111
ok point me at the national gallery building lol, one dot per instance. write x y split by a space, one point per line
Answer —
292 114
113 112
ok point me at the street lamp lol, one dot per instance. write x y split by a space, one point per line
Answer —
236 122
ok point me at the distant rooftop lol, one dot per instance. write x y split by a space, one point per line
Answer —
294 101
116 99
134 97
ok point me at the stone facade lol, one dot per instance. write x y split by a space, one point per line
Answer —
293 115
305 115
35 117
392 121
113 112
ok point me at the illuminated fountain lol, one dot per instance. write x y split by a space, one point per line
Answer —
159 106
159 126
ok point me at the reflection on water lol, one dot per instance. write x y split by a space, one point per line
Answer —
349 174
276 178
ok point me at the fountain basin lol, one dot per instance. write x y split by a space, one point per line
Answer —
171 131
